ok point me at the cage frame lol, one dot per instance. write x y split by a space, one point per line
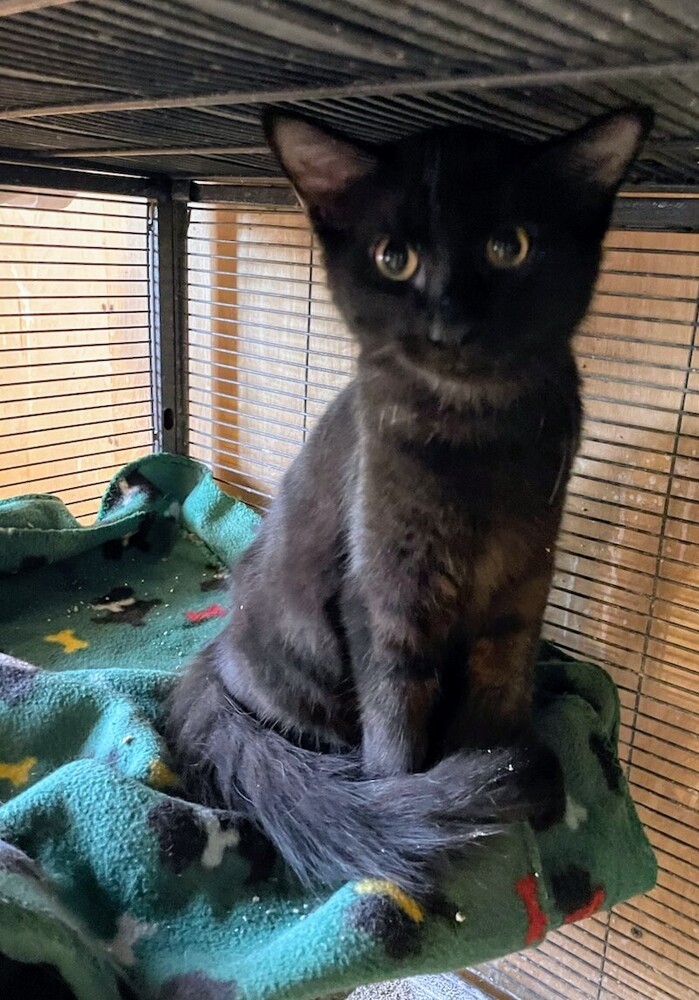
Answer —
671 209
675 210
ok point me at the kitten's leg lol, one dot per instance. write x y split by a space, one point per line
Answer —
496 709
496 705
500 681
396 687
501 671
396 701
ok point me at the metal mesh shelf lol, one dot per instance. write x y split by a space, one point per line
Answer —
177 87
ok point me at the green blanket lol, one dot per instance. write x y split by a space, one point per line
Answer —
112 883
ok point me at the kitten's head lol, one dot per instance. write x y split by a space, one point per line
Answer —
459 251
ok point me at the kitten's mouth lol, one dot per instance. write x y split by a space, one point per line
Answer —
443 345
459 358
442 335
459 376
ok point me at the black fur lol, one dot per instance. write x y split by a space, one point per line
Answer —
386 619
327 819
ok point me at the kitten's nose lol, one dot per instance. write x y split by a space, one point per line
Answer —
449 334
447 307
448 326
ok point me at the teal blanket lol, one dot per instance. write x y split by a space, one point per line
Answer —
112 885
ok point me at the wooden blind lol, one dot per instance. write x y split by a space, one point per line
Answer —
75 343
626 594
267 352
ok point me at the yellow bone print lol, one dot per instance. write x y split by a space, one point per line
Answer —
17 774
68 639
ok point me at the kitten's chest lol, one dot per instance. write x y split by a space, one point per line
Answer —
451 532
468 560
502 512
472 487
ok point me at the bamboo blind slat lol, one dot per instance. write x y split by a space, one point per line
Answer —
75 343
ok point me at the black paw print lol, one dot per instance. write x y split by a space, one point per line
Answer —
181 838
607 761
122 607
380 917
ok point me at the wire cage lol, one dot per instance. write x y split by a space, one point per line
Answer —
160 290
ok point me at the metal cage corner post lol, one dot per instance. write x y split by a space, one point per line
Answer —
169 317
77 345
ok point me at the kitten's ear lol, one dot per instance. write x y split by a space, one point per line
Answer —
321 166
601 152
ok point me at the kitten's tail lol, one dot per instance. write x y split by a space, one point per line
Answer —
330 823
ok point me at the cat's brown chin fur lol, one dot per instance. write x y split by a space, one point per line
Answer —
476 391
437 408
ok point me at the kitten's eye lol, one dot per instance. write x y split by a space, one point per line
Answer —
508 248
395 260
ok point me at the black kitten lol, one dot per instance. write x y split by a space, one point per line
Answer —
387 615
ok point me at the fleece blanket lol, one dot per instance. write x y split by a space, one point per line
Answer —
111 884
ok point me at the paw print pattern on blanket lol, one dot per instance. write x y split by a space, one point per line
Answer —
258 852
181 838
131 890
122 607
388 915
218 580
127 488
187 836
575 895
